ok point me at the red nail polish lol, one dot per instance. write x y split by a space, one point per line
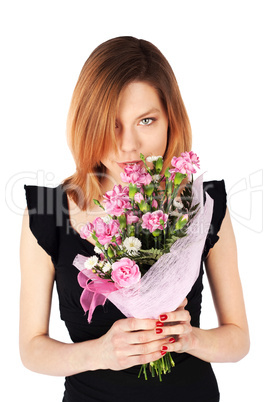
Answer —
163 317
164 348
158 330
163 353
159 324
172 340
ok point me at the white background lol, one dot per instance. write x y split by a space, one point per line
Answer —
218 50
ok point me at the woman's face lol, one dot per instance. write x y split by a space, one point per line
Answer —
141 127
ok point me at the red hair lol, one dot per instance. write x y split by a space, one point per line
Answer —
92 114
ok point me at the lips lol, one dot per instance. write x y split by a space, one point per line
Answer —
122 165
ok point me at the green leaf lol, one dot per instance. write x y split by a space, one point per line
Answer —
94 237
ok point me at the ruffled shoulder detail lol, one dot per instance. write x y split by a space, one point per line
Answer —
43 208
216 190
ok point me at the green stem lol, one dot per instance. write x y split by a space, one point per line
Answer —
158 367
176 188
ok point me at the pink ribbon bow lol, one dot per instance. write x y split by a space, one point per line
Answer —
95 288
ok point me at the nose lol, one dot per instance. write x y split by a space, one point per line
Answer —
128 139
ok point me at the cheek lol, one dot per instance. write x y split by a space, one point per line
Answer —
106 162
160 140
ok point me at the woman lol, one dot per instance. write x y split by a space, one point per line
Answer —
126 102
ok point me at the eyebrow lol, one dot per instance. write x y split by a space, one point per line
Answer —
153 110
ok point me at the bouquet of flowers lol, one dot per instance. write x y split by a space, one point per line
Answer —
151 239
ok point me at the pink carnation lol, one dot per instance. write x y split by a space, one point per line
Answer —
184 164
185 217
106 231
193 157
86 230
117 200
125 272
151 220
154 204
138 197
136 174
131 218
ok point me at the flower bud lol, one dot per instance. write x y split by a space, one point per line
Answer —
167 173
169 185
123 221
131 231
132 190
144 207
181 222
96 202
110 252
157 232
178 178
148 189
159 165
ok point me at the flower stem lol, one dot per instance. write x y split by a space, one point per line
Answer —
158 367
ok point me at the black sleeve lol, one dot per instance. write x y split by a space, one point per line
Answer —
41 209
217 191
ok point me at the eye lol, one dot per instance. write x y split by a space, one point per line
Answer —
147 121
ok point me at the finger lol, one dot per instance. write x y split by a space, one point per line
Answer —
146 348
174 346
135 324
177 315
143 337
184 303
176 329
143 359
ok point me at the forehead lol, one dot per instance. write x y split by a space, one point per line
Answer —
137 98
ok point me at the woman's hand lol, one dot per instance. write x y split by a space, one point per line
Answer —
178 330
130 342
134 341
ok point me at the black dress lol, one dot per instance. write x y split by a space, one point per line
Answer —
191 380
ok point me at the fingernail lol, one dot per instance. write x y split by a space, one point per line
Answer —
159 324
158 330
163 353
172 340
164 348
163 317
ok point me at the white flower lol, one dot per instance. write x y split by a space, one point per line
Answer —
178 204
106 219
152 158
176 213
91 262
97 250
132 245
156 177
107 267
